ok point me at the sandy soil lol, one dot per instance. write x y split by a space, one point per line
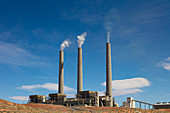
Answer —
6 106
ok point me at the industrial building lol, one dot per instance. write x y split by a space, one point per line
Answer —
37 98
85 98
162 105
129 103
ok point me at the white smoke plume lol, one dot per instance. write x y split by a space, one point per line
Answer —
108 37
81 39
110 20
64 44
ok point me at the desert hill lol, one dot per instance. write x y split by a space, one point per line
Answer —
6 106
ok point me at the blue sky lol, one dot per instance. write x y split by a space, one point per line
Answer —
31 33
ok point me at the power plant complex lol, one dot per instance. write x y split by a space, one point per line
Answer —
84 98
89 98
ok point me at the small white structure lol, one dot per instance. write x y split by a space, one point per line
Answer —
129 103
43 98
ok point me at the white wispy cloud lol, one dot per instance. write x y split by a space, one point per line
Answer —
125 92
127 86
143 69
19 98
5 35
87 14
165 64
49 86
145 14
12 54
37 31
122 92
167 59
129 83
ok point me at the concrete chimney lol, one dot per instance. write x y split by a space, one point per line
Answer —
109 74
61 73
79 72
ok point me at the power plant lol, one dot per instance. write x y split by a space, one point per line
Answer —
89 98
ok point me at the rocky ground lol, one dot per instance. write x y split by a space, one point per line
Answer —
10 107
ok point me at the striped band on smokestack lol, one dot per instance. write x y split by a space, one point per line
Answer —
79 72
61 73
109 74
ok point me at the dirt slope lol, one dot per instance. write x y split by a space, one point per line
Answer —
6 106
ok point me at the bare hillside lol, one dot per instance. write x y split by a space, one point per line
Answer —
6 106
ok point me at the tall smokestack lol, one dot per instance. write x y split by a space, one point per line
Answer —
109 74
79 71
61 66
61 73
80 42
